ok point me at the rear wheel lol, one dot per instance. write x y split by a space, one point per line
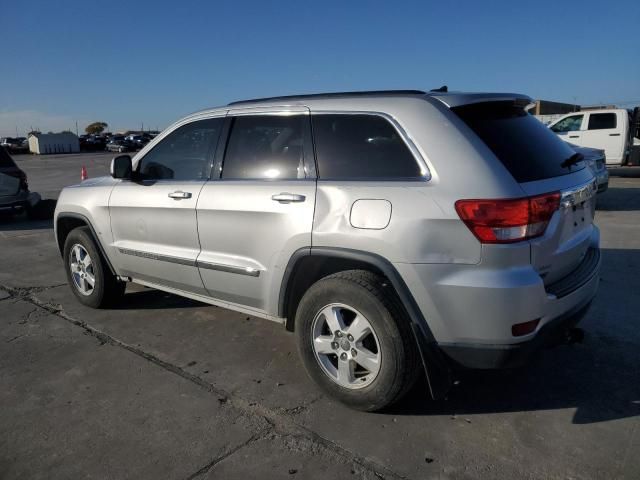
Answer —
355 340
87 273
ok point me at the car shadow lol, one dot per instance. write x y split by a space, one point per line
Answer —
617 199
151 299
11 222
599 379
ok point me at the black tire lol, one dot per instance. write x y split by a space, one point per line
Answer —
107 289
371 295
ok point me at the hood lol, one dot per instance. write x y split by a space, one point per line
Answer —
92 182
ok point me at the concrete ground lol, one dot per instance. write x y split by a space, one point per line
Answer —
164 387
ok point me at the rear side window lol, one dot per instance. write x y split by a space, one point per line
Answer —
5 159
184 154
266 147
601 121
359 146
529 150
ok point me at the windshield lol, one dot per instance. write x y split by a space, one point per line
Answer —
528 149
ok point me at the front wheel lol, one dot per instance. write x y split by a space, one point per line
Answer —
87 272
355 340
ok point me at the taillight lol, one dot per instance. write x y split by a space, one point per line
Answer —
510 220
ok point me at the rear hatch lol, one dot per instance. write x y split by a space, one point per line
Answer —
542 164
10 175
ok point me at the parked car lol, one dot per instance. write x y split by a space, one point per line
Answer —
138 141
14 188
119 145
596 160
397 233
604 129
15 145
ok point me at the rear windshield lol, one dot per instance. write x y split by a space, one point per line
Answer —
527 148
5 159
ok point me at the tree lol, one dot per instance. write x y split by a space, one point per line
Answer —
96 128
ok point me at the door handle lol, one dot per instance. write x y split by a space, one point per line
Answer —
288 197
178 195
614 134
574 136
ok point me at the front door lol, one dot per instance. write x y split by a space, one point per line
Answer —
260 209
569 129
153 219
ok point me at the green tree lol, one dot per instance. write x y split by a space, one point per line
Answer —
96 128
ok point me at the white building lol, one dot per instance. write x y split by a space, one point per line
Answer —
65 142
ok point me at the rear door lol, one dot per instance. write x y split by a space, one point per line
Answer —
153 220
541 163
605 130
259 210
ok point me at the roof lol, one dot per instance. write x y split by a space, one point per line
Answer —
365 100
331 95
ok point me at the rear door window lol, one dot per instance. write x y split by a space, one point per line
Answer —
602 121
266 147
529 150
361 146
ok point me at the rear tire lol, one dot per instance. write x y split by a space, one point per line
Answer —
88 274
357 295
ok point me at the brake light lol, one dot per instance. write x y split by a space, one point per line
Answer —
509 220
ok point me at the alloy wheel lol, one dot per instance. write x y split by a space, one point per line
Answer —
82 270
346 346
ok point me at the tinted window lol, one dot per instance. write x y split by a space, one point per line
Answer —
600 121
184 154
359 147
528 149
265 146
569 124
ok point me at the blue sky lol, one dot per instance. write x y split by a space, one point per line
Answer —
131 62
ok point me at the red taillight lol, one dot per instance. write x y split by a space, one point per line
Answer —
508 221
525 328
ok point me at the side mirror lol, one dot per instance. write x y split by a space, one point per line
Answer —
121 167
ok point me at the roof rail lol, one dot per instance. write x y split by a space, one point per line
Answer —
332 95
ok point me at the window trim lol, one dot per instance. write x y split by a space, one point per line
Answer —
139 156
417 154
308 161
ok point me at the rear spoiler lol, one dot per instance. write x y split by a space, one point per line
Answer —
454 99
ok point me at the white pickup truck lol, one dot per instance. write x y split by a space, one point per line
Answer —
604 129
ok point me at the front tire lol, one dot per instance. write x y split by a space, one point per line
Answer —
355 340
88 275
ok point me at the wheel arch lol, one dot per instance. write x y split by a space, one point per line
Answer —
309 264
66 222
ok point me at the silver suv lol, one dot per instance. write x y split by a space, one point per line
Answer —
396 233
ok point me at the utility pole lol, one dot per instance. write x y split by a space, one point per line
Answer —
77 134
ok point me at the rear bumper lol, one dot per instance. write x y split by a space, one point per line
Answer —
517 355
471 309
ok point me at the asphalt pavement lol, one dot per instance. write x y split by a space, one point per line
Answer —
165 387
